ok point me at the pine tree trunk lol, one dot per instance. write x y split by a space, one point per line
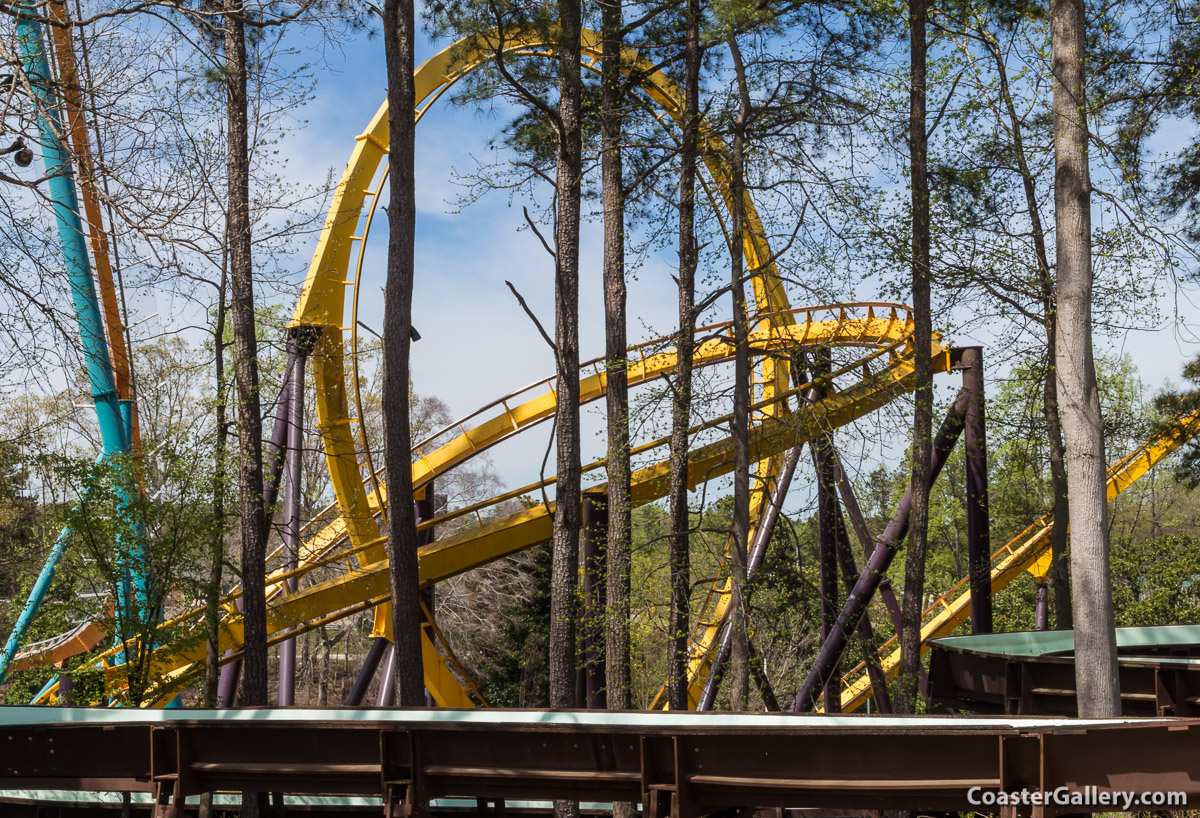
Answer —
1059 584
216 554
565 546
245 344
912 607
253 522
398 43
739 652
617 646
1083 431
565 559
620 510
681 387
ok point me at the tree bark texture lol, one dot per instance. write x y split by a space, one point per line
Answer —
739 653
618 693
253 518
912 606
565 549
245 343
398 42
565 545
679 618
1083 431
216 554
828 520
1059 582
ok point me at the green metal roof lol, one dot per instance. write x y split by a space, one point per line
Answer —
1043 643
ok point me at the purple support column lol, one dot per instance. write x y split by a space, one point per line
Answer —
276 454
382 649
866 634
863 535
595 603
881 559
758 549
273 464
66 690
379 646
827 561
979 551
294 458
387 683
1041 607
866 541
427 507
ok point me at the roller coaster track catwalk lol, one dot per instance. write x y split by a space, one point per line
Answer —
786 413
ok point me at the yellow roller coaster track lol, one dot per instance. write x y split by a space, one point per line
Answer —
883 372
365 585
323 300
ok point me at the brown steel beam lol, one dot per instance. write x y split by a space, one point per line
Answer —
678 766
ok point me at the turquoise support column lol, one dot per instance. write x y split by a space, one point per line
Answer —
70 230
113 425
40 587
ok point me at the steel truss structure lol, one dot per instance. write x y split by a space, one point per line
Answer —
676 765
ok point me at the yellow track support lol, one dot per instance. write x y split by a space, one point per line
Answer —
1022 553
367 585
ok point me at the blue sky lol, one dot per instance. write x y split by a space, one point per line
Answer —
476 342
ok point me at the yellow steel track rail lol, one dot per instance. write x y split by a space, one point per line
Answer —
366 586
886 338
323 300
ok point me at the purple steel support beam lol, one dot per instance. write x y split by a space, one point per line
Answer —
1041 607
227 686
379 646
426 506
881 558
758 549
387 683
294 459
273 463
827 558
979 551
866 634
66 690
863 534
595 603
382 649
276 454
